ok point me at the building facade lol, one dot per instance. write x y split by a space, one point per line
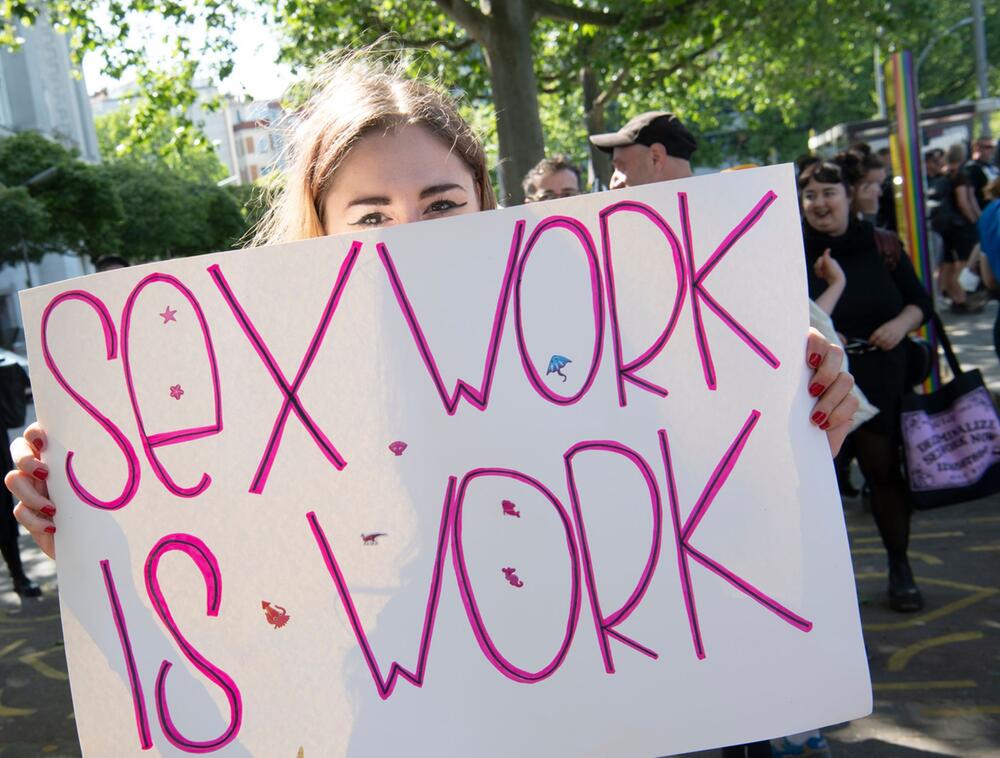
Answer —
243 132
41 90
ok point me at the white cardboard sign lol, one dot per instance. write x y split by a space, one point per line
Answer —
533 482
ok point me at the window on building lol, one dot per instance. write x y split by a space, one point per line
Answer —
249 143
263 145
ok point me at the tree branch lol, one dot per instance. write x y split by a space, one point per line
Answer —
617 82
556 10
474 21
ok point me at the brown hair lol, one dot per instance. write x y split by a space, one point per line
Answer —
545 167
992 190
351 96
824 172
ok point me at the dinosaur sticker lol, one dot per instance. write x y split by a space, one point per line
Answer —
510 509
372 539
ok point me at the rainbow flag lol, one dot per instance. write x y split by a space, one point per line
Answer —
909 180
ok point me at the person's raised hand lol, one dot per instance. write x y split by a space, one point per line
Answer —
27 482
827 269
835 404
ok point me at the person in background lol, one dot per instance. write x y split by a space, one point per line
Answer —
980 168
109 263
959 234
869 177
939 206
553 178
887 203
13 401
653 147
882 301
989 241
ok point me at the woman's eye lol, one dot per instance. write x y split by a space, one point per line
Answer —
440 206
370 219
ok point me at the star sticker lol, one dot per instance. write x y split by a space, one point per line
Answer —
176 391
168 315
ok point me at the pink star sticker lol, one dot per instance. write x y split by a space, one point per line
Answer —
176 391
168 315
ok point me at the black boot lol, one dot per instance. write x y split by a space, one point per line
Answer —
904 595
24 587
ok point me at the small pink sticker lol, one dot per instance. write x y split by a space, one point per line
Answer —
511 577
276 615
372 539
510 509
168 315
176 391
398 447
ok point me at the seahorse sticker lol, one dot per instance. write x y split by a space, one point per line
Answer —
511 577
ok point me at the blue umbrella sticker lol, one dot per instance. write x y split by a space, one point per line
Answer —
556 365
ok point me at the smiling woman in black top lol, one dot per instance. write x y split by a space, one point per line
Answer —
881 302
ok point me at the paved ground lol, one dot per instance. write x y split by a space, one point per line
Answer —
936 674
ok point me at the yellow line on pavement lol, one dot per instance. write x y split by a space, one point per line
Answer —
985 520
924 536
33 660
927 558
983 549
978 594
899 659
6 618
971 710
6 712
951 684
11 647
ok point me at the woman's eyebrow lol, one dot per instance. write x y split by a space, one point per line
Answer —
368 201
437 189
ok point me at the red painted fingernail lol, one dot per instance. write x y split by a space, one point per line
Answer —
816 389
40 473
824 426
37 444
818 417
815 359
48 510
50 530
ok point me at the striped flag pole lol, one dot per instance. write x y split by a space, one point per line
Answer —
909 187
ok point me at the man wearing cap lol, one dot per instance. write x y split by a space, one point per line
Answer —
652 147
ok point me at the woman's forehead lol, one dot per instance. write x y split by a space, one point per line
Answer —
408 155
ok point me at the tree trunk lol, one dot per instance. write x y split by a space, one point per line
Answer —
599 168
515 95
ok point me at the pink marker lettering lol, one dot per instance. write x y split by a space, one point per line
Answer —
683 535
605 625
150 443
288 389
206 562
587 243
138 700
626 372
111 348
699 293
478 398
384 685
486 643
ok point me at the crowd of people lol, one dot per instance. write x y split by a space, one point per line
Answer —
376 148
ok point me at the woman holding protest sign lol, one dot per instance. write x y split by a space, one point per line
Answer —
375 148
880 303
